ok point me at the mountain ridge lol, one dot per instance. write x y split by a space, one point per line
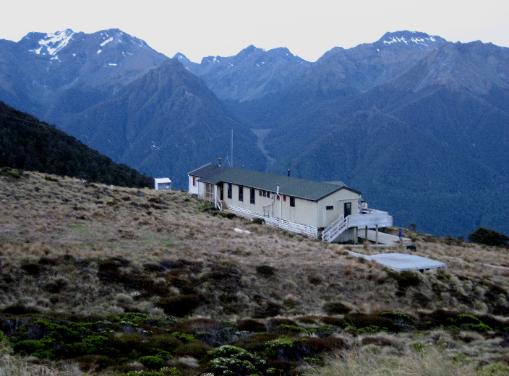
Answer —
449 96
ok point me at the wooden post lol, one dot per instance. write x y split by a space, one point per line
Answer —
366 232
376 238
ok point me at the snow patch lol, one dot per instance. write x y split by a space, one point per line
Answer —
112 64
99 51
52 43
424 41
105 42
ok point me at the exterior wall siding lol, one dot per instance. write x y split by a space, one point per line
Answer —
337 200
193 189
303 213
306 217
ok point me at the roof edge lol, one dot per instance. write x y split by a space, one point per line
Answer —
199 168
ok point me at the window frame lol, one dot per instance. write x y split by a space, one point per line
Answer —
252 196
292 201
241 193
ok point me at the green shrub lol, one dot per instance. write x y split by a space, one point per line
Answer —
39 348
195 349
164 342
495 369
489 237
184 337
282 345
234 361
165 371
13 173
93 344
152 361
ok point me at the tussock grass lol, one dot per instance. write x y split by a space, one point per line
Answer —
17 366
54 235
429 362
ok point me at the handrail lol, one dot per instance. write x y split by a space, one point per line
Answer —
335 229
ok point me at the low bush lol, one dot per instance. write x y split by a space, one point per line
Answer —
336 308
489 237
165 371
251 325
196 349
152 361
234 361
13 173
180 305
265 270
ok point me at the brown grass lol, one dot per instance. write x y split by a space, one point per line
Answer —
54 235
432 361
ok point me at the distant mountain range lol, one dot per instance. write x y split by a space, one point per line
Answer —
419 124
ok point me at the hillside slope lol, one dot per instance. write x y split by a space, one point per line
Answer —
165 122
28 144
118 279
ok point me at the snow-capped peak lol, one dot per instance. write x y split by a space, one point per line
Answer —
52 43
409 38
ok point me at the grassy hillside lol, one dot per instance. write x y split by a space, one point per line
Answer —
29 144
120 279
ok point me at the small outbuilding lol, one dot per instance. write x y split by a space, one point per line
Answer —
162 184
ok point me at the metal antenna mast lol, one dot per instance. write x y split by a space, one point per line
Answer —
231 151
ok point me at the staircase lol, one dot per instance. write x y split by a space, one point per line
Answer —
335 229
219 204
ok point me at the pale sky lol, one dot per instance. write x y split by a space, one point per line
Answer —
224 27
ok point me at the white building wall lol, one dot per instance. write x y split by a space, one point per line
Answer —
193 189
337 200
303 213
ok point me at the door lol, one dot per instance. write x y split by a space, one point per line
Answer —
347 209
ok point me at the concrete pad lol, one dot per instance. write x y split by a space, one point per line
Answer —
402 262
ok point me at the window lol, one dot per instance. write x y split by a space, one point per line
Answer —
241 193
252 195
329 207
229 190
194 181
260 193
284 197
292 201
